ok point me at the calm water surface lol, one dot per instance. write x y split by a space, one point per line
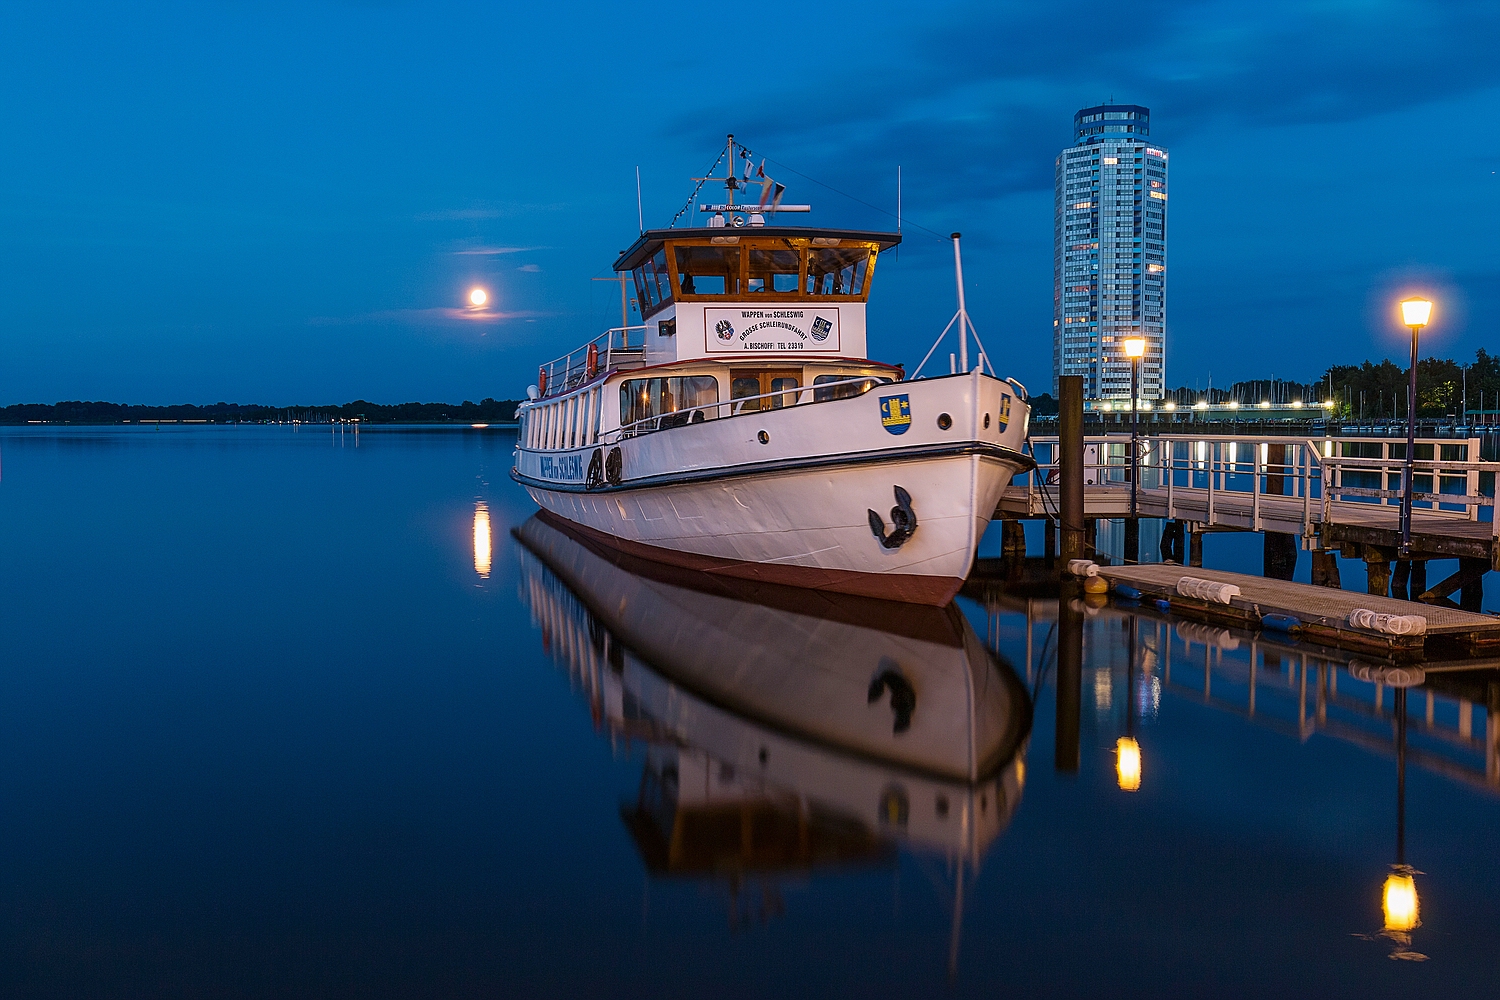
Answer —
283 716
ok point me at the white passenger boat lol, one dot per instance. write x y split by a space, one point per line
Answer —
743 430
846 724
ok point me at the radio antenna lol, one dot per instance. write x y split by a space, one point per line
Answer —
639 216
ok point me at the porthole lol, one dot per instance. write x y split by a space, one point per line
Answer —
944 421
986 421
763 437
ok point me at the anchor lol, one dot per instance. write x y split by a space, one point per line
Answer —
903 695
903 522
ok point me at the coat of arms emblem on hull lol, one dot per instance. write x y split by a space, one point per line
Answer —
725 330
821 328
895 413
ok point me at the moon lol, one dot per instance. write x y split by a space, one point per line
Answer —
478 297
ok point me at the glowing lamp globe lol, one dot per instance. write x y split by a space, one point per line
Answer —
1128 763
1135 347
478 297
1415 312
1400 902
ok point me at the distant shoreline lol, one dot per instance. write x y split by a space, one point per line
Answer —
487 411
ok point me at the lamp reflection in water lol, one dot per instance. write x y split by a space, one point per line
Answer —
1127 750
1398 901
482 540
1128 763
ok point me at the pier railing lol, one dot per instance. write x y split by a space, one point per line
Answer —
1244 481
611 348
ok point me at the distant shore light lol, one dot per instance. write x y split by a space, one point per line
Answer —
478 297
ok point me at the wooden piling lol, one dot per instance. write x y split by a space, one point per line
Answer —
1325 570
1279 555
1378 570
1070 468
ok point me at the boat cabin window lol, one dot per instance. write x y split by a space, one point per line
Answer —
837 270
746 266
845 391
708 270
677 400
653 286
758 383
773 270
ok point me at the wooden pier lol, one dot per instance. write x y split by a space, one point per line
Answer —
1321 613
1318 495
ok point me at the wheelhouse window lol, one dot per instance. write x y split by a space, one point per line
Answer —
837 270
773 270
845 391
712 270
653 286
748 267
676 400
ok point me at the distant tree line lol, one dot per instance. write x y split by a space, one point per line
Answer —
1371 391
79 412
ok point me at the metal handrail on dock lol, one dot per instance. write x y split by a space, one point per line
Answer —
1233 482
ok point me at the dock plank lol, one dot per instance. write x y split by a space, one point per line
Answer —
1323 611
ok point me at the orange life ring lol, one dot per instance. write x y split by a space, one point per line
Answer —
541 381
593 362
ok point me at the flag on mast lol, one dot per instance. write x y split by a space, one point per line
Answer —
770 191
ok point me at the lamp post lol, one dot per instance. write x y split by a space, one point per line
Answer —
1135 349
1415 313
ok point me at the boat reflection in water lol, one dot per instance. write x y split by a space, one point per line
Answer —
786 730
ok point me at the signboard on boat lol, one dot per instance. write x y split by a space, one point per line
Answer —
771 330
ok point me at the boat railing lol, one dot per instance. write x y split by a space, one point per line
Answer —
739 405
611 347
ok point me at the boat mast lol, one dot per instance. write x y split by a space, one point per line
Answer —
729 177
963 314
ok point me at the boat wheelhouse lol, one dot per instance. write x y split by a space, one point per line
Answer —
747 317
742 428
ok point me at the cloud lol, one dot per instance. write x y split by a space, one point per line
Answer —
986 100
504 210
459 214
428 317
496 251
529 268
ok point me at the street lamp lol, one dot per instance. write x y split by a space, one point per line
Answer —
1135 349
1415 312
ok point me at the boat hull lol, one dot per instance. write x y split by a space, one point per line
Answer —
803 518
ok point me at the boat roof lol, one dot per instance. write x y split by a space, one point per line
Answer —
652 239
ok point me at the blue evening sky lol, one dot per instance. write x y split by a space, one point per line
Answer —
285 203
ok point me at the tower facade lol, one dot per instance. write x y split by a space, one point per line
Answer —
1109 253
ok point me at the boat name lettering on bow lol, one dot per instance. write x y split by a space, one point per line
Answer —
568 468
